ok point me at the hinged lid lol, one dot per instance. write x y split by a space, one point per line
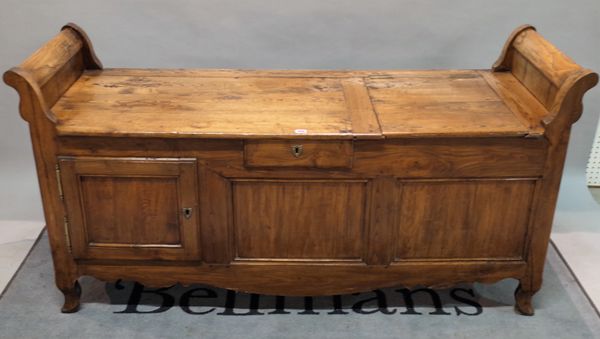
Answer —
294 105
190 105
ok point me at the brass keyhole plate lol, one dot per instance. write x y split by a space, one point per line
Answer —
297 150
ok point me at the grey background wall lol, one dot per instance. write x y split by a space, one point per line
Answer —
289 34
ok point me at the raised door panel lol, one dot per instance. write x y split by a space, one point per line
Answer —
479 219
299 220
131 208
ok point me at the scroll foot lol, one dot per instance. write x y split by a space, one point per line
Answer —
523 303
72 296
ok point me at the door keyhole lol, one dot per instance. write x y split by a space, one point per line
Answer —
187 212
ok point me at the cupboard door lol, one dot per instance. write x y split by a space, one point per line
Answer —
131 208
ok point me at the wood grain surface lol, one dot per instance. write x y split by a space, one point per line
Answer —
477 219
327 224
198 104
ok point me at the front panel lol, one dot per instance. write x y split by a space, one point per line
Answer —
463 219
298 220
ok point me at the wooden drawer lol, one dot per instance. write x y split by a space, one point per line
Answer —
298 153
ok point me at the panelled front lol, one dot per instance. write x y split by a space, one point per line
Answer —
377 221
127 208
402 200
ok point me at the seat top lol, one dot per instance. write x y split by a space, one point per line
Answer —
298 104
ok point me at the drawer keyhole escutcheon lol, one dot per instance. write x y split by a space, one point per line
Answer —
297 150
187 212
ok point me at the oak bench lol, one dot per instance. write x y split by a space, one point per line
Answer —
300 183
